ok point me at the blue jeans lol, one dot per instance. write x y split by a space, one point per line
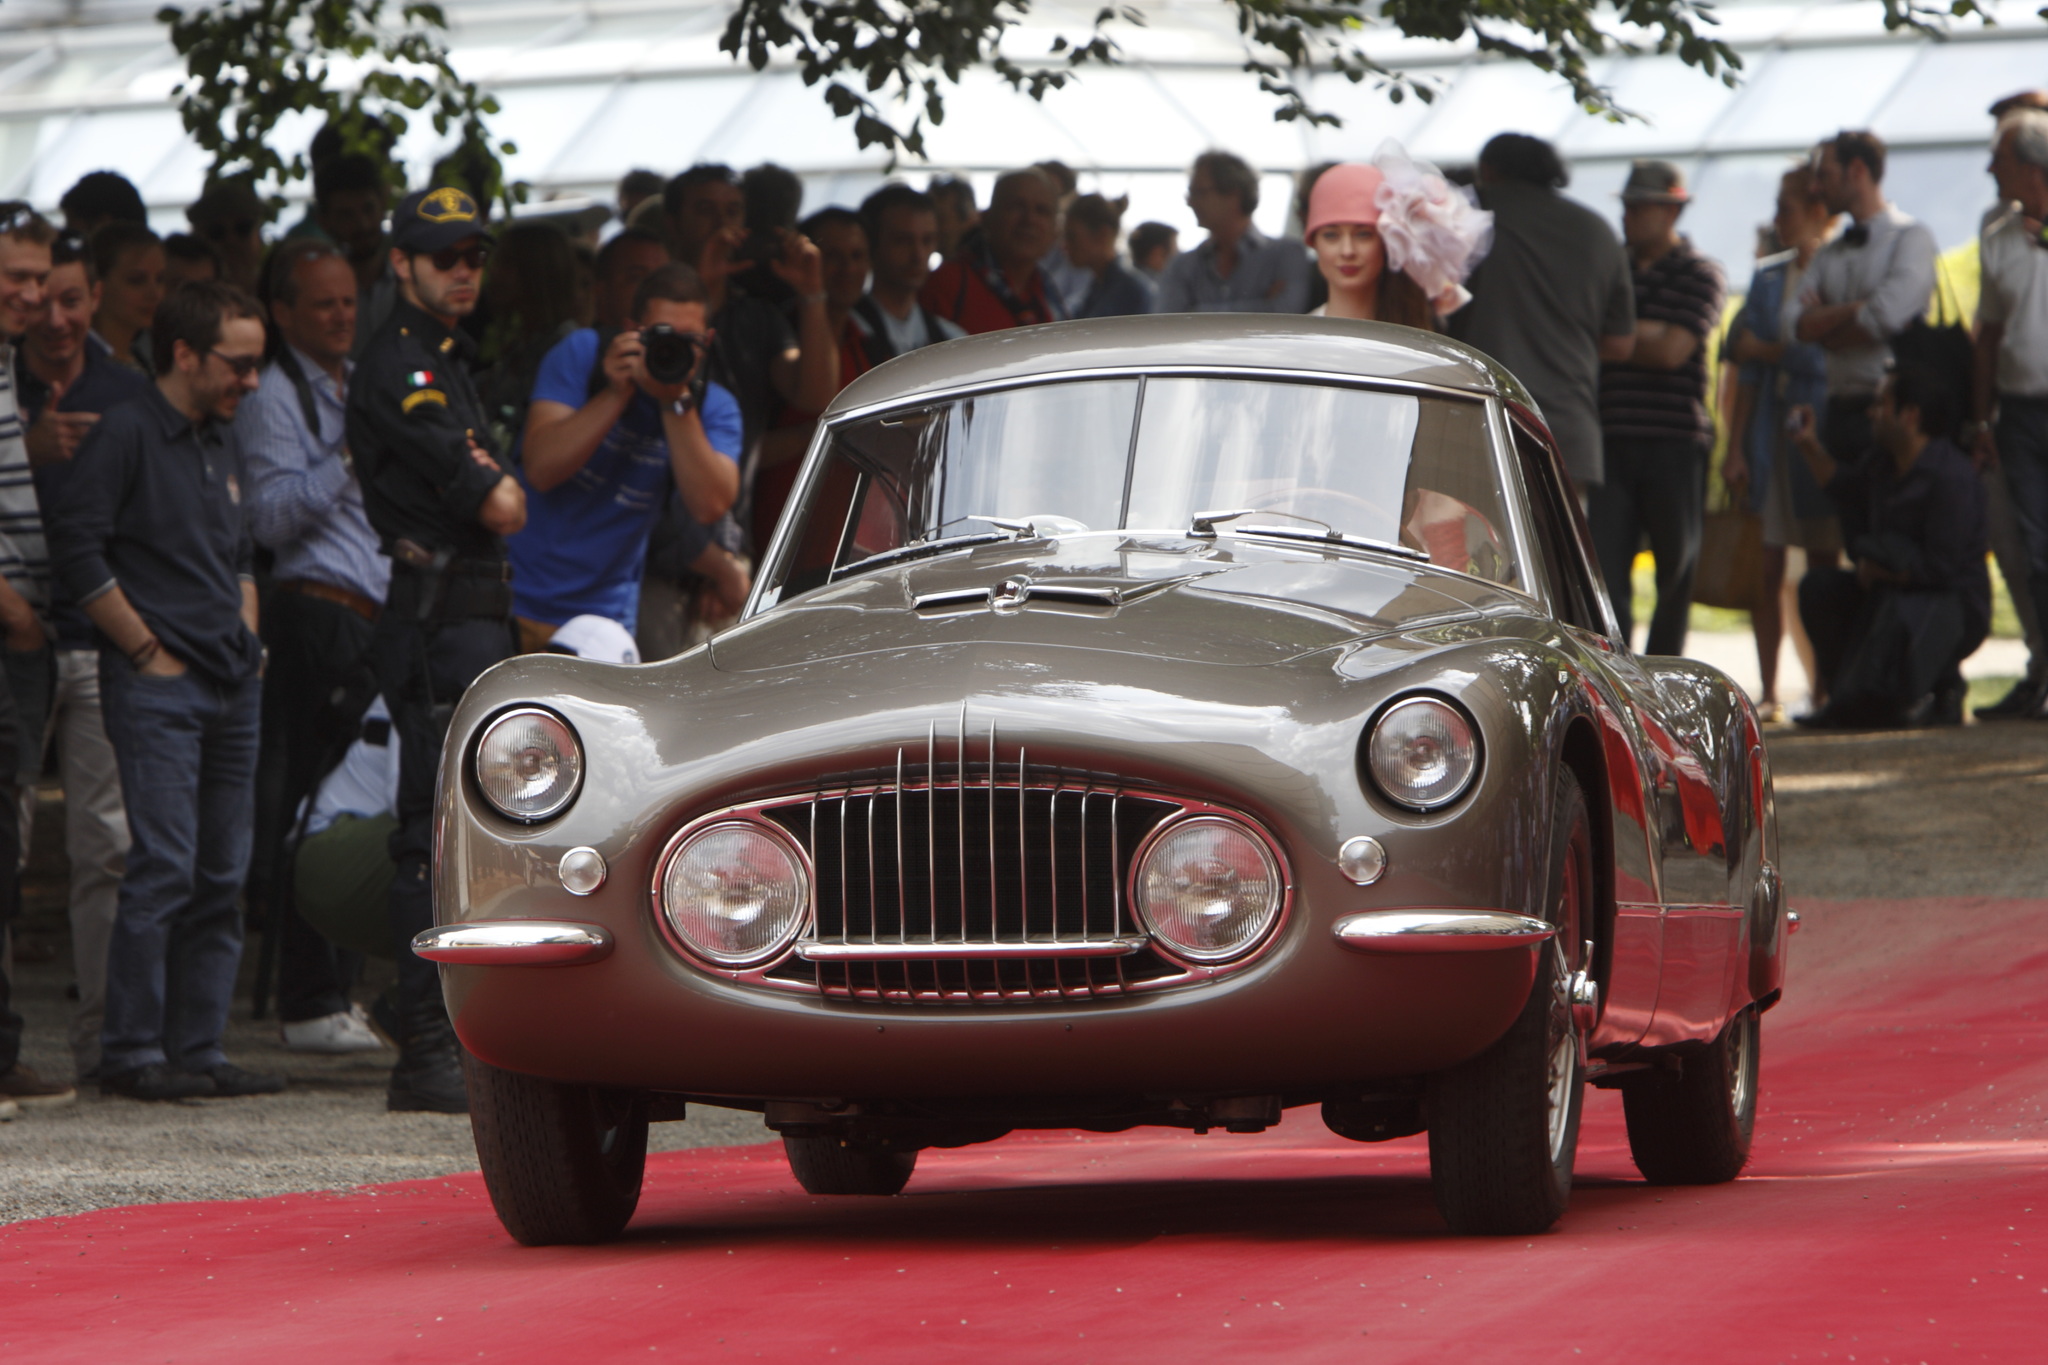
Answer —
186 749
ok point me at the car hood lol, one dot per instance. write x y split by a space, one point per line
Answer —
1227 602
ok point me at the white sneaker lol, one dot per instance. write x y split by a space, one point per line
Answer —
8 1110
346 1031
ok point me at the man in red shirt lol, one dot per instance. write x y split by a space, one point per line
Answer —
996 283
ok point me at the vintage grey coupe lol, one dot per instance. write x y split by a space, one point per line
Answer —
1168 720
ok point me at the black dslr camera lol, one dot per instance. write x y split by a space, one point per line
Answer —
670 355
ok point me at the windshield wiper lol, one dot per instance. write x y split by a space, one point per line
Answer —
920 548
1205 524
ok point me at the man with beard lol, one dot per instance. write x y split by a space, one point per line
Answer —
441 504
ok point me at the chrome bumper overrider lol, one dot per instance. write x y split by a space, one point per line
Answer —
515 943
1439 931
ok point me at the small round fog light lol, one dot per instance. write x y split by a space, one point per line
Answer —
1362 859
582 870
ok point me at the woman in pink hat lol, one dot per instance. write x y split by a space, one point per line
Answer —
1394 240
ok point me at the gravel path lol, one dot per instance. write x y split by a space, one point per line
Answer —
1881 816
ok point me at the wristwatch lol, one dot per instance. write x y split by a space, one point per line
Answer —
681 406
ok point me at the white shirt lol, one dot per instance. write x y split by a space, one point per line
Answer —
1892 275
910 334
365 783
2015 276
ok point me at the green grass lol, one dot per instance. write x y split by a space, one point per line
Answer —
2005 624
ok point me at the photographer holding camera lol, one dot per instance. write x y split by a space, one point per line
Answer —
612 421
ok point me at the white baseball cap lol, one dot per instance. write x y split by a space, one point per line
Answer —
595 637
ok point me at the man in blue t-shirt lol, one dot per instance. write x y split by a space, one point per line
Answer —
605 438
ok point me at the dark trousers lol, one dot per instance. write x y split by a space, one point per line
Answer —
314 693
1655 488
1845 428
2023 454
186 749
1883 648
423 668
10 877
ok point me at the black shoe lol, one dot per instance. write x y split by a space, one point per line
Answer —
229 1079
157 1081
2024 700
1942 706
428 1077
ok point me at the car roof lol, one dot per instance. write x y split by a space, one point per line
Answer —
1167 341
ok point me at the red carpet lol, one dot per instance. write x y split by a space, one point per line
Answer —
1894 1212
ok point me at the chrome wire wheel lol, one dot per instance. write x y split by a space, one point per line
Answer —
1504 1126
1563 1041
1742 1061
1694 1125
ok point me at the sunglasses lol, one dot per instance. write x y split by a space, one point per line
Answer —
242 365
472 256
13 218
221 231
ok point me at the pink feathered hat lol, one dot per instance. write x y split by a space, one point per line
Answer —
1348 193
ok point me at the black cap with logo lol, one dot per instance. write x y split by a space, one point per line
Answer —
429 220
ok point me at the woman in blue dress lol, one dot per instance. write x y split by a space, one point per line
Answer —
1777 375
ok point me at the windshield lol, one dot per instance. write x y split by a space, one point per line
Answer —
1149 455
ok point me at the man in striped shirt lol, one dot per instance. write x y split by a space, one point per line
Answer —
24 591
1655 431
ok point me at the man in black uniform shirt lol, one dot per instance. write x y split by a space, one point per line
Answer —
441 504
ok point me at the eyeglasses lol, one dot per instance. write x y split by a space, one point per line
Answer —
242 365
472 256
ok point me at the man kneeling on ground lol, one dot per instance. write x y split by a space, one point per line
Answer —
1890 635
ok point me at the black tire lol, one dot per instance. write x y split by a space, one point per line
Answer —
563 1163
826 1165
1693 1127
1504 1127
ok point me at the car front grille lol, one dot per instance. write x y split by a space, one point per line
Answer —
1000 883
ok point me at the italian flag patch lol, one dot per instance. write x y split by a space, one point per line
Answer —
419 379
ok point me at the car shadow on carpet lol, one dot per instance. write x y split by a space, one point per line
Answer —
1097 1214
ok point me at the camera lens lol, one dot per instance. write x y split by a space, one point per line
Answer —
670 355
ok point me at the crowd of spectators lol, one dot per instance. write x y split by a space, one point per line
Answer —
267 506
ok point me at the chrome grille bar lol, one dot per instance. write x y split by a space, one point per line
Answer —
1055 926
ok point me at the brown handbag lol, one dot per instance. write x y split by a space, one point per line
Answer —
1730 572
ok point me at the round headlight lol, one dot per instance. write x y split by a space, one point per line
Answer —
1423 753
735 893
1208 888
529 765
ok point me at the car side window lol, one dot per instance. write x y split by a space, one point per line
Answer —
1571 593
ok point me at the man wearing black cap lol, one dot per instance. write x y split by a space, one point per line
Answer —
441 505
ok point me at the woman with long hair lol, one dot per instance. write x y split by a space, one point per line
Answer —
1780 373
1394 240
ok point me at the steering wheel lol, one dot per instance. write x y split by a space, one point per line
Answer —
1361 514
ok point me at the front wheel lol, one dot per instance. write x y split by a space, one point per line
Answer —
1694 1127
563 1163
1504 1127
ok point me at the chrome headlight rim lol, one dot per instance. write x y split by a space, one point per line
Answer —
1192 814
1384 791
799 923
520 711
